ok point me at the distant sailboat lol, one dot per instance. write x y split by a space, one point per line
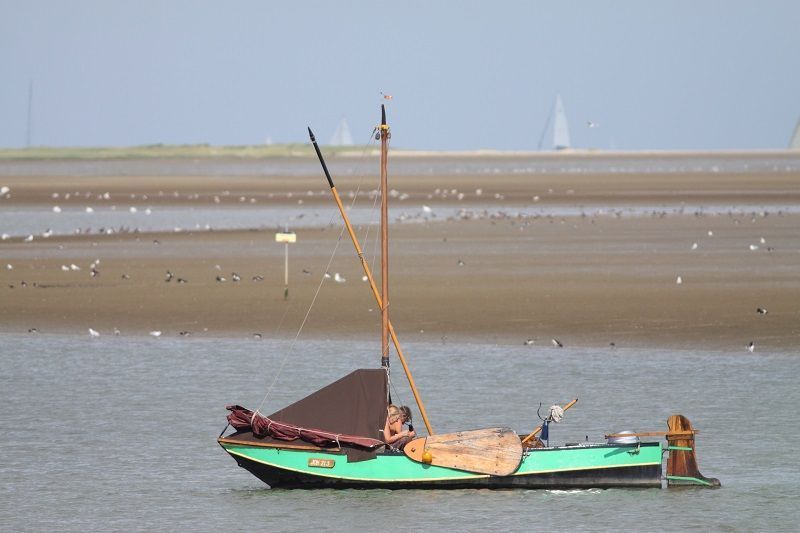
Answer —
794 144
560 128
342 137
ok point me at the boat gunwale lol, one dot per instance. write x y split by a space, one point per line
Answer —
465 475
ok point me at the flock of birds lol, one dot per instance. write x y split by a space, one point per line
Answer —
426 213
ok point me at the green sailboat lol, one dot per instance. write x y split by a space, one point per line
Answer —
334 436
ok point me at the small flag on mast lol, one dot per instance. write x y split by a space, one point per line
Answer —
386 96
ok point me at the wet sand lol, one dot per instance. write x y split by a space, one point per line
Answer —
587 280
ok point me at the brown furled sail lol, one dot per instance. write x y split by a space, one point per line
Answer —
354 405
682 462
493 451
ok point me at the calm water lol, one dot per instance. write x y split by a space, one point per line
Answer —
119 433
601 162
37 221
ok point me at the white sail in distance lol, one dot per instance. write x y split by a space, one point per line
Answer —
794 144
342 137
560 128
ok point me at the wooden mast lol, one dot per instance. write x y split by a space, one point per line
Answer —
384 134
372 284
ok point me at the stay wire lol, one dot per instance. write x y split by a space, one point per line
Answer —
316 293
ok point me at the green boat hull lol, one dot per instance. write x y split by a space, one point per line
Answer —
583 466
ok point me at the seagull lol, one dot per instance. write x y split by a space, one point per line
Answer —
93 333
761 311
29 238
95 272
306 272
694 246
116 331
591 124
257 336
528 342
168 276
338 279
185 333
751 347
327 275
155 333
33 330
65 268
183 280
427 209
235 276
364 278
557 343
258 278
125 276
56 209
73 266
461 263
220 279
9 266
679 280
753 247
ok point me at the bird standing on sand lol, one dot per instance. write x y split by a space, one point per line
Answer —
235 276
155 333
93 333
528 342
751 347
761 311
168 276
557 343
220 279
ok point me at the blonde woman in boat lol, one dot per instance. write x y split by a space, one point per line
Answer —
393 433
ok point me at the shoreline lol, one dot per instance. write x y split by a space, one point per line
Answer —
491 275
533 279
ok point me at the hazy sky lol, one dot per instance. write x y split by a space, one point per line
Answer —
464 75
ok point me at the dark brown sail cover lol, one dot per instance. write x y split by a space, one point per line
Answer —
349 412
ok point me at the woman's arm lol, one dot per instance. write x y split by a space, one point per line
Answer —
392 434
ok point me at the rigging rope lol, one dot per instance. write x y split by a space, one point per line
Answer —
316 293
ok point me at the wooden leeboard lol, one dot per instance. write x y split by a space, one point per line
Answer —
494 451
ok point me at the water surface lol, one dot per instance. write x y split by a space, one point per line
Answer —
118 433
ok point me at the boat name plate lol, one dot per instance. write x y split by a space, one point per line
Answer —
315 462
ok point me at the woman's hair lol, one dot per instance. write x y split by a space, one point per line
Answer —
406 412
394 412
